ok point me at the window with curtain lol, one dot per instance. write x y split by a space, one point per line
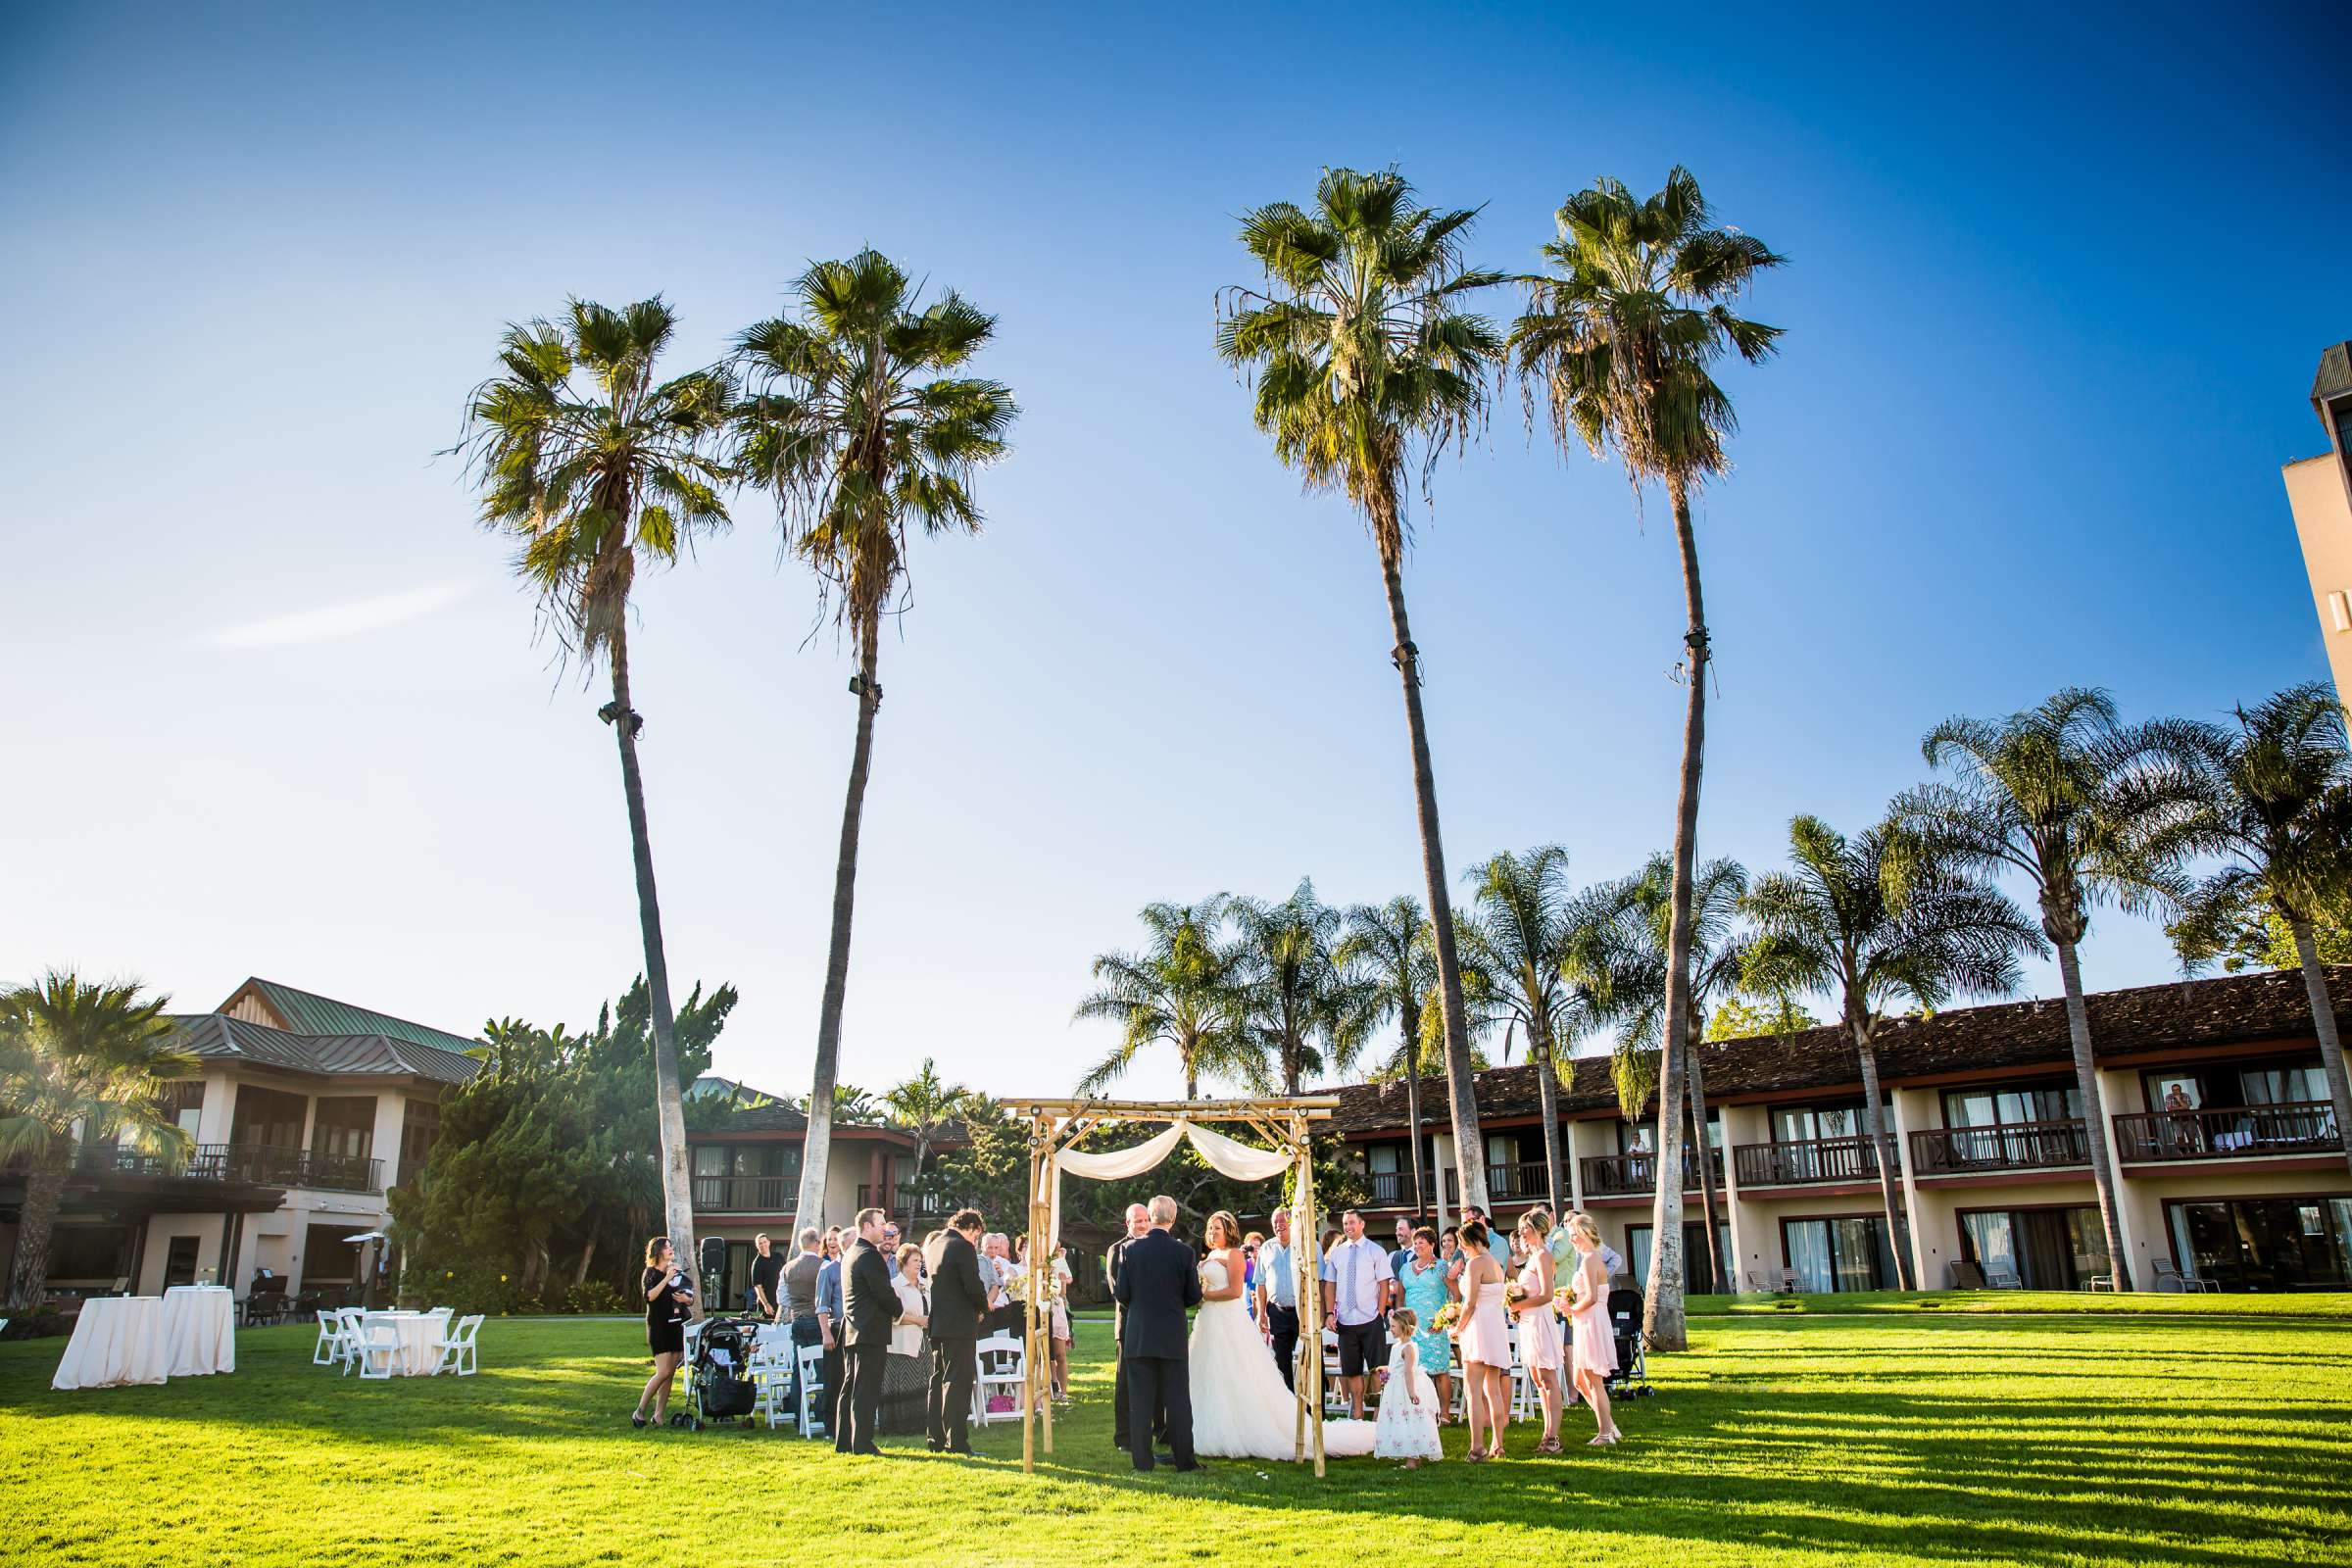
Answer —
2283 1086
269 1118
1803 1124
344 1127
1840 1255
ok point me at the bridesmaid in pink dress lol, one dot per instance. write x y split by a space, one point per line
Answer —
1595 1354
1539 1328
1485 1345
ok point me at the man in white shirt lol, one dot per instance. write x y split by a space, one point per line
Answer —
1362 1283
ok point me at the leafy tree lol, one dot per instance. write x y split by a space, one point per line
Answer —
861 439
1631 932
1182 991
1742 1017
2274 802
1870 919
1520 934
1365 361
1305 1012
2089 811
1392 947
97 1055
1622 333
598 469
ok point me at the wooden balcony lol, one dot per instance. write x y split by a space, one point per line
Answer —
747 1194
1523 1182
1394 1189
1628 1175
1804 1161
2238 1132
2019 1145
904 1202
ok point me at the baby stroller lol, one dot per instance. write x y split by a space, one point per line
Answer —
1630 1380
719 1384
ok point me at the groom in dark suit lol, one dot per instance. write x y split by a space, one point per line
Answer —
1157 1282
869 1306
958 1301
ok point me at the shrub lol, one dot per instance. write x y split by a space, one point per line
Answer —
595 1299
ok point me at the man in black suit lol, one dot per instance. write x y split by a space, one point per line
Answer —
958 1301
1157 1282
869 1305
1139 1225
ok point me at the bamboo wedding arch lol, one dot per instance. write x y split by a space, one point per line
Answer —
1056 1129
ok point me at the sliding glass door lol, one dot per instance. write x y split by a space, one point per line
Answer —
1838 1254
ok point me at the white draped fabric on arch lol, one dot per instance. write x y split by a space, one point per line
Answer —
1225 1155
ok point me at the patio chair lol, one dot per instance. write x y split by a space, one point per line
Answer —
2002 1279
456 1349
771 1369
2168 1278
1966 1275
329 1349
378 1348
2100 1282
349 1319
1760 1281
1003 1371
809 1390
1787 1282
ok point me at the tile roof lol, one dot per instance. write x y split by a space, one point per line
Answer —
308 1013
215 1035
2232 1008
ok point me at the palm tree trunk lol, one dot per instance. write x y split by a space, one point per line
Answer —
579 1276
1873 1124
1547 1101
819 1141
2095 1115
1469 1153
2322 1023
669 1105
1411 1020
1662 1313
1707 1164
36 1223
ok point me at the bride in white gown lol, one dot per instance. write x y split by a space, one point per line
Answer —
1242 1409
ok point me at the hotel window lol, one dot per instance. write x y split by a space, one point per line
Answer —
183 1103
2283 1086
2274 1244
2007 1108
1807 1123
267 1118
345 1127
1840 1255
2037 1248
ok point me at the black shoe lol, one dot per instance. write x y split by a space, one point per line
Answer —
965 1450
934 1446
1188 1469
637 1419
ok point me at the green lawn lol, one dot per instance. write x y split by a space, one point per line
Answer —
2193 1439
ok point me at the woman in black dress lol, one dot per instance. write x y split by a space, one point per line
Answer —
669 1300
907 1371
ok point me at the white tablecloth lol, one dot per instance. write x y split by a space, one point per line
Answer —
117 1339
419 1354
200 1330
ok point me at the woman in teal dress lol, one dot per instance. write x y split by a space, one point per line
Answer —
1421 1280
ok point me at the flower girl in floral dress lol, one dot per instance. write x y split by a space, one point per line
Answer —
1407 1428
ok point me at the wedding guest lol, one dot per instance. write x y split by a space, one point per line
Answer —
1611 1259
1358 1272
1404 1244
829 1324
1407 1425
1139 1225
668 1301
832 1240
1058 1322
1450 1253
767 1274
907 1369
1277 1287
869 1305
1006 1315
1595 1350
1423 1287
1539 1328
958 1301
1485 1345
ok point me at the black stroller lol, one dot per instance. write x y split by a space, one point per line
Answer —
1630 1380
718 1379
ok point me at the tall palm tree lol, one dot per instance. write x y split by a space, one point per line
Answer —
1626 954
1872 921
1521 935
1391 946
848 422
1182 991
2274 803
598 470
1308 1013
923 1104
1366 363
2089 811
74 1054
1622 333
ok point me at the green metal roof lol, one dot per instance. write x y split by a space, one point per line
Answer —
308 1013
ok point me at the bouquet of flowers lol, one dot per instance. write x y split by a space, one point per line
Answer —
1514 1292
1563 1300
1449 1319
1017 1286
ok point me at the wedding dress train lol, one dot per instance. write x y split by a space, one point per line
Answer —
1242 1409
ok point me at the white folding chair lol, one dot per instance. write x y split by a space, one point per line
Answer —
379 1348
810 1391
442 1315
770 1372
347 1348
457 1354
1004 1370
329 1349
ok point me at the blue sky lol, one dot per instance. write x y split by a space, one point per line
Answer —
2057 285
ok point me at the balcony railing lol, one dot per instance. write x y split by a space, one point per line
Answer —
2303 1127
2019 1145
1618 1175
1802 1160
1394 1189
1522 1181
749 1194
904 1201
256 1164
